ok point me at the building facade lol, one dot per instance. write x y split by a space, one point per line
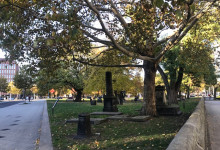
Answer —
8 70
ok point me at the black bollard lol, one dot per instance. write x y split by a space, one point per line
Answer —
84 126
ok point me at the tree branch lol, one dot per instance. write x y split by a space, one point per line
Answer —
179 79
80 3
12 4
99 47
164 77
4 6
118 15
91 27
162 41
102 65
116 45
181 32
97 39
109 49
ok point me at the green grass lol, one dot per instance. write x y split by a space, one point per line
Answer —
155 134
87 99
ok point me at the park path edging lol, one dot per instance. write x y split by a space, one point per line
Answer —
45 142
193 135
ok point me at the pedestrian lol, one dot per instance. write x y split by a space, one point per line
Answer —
29 98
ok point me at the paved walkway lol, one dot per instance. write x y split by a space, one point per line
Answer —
213 119
25 127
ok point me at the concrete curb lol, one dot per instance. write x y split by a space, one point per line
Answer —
45 142
192 136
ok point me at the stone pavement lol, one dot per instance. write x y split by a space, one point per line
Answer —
25 127
213 119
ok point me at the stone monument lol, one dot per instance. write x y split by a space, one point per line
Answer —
161 103
122 97
109 98
160 95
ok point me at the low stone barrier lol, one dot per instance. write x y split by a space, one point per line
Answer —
193 134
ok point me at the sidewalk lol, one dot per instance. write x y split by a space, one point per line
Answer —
22 126
213 119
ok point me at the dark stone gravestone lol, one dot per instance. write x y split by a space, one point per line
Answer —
99 99
136 98
160 95
109 99
161 104
116 100
93 102
122 97
84 126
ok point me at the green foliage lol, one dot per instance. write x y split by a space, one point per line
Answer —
159 80
50 31
171 64
3 84
96 81
210 77
23 79
68 75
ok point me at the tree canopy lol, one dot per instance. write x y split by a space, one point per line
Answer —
53 30
3 84
23 80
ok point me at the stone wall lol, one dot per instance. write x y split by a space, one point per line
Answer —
193 134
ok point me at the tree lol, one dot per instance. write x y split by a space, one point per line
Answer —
131 27
13 89
193 60
136 86
23 80
122 79
68 75
34 90
192 56
73 79
3 84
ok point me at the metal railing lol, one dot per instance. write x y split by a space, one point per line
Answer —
54 105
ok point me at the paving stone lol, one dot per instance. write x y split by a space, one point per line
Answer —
94 121
106 113
140 118
119 117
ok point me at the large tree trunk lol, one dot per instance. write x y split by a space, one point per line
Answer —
172 96
149 104
187 91
174 86
78 96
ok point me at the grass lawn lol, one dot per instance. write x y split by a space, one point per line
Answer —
155 134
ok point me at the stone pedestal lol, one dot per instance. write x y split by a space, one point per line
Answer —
161 104
93 102
109 99
108 104
84 126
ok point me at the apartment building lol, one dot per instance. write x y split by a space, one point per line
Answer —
8 70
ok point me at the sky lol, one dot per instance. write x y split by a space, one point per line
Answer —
2 54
